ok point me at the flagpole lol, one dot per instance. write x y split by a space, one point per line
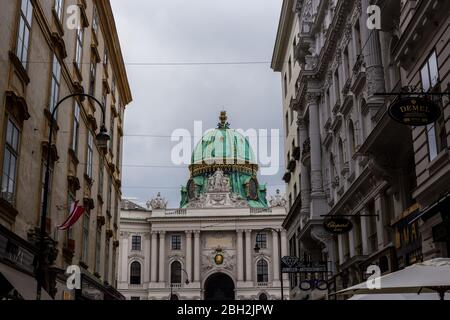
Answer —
102 139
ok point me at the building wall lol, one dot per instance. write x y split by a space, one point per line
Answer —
51 37
432 165
360 162
224 232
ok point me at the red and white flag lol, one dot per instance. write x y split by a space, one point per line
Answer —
75 213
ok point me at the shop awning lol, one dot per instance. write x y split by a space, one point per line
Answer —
429 211
25 285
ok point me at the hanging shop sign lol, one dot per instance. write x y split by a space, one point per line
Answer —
295 265
337 225
415 111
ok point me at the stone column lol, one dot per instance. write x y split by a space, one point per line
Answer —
189 254
373 59
162 256
124 264
318 199
365 232
284 251
305 188
275 257
248 255
351 243
147 258
240 255
341 249
197 256
154 260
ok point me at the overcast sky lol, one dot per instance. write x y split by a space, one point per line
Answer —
169 97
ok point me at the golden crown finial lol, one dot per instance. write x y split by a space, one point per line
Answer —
223 121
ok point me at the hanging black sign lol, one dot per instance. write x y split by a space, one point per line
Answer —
415 111
337 225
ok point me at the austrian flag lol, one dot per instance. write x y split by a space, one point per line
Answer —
75 213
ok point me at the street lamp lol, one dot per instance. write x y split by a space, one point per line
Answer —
171 284
102 142
257 249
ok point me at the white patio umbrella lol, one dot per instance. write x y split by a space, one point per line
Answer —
399 296
426 277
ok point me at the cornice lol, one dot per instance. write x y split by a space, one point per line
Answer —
109 31
283 34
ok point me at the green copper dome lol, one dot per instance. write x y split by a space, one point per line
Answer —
223 172
223 146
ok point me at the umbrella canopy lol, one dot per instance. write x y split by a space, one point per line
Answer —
399 296
429 276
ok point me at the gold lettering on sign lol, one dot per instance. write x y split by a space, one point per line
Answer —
222 242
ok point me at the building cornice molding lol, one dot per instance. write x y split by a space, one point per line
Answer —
283 34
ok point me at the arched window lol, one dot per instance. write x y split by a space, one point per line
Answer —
352 138
175 272
363 126
332 168
263 297
135 273
262 271
341 154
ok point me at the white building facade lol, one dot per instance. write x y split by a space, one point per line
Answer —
224 243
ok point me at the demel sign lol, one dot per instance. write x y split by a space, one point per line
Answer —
415 111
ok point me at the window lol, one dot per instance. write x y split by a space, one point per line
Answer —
436 133
98 248
106 57
341 154
59 4
135 273
136 243
176 242
287 124
358 38
107 260
90 154
285 85
290 200
337 89
135 298
109 199
70 200
55 85
79 48
95 21
10 160
290 68
101 173
352 137
113 86
175 272
23 36
347 63
86 223
295 190
92 76
118 151
49 199
111 130
261 240
262 271
76 127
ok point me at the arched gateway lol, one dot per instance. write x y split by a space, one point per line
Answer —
219 286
